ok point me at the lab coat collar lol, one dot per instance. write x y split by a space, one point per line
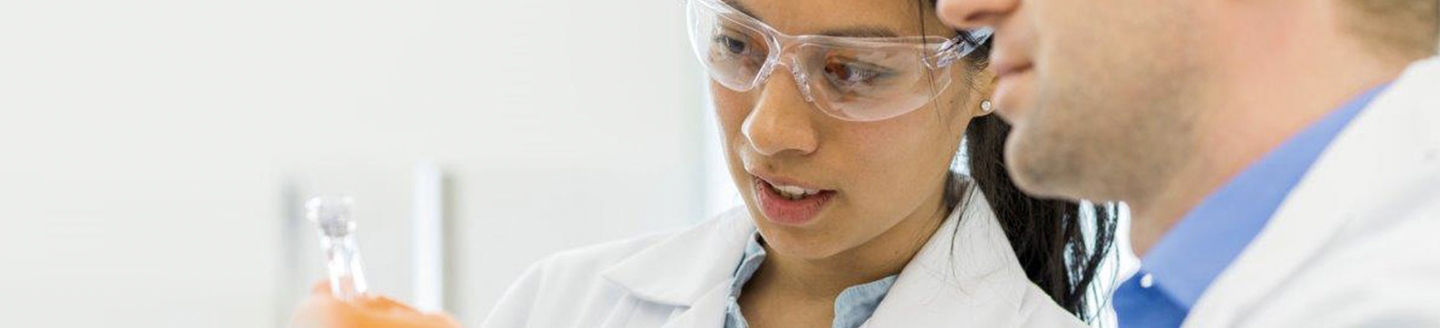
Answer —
1387 153
683 268
966 272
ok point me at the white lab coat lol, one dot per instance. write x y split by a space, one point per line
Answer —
1357 243
683 280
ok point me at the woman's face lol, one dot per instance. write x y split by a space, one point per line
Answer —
874 176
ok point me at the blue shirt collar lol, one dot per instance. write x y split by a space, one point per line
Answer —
853 307
1189 257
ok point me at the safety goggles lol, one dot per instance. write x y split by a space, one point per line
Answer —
850 78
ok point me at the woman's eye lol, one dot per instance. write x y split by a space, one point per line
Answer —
730 44
845 74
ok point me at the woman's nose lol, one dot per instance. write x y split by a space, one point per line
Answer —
782 119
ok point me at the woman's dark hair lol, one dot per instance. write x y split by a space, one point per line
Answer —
1048 235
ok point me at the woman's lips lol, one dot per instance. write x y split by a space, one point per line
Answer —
783 210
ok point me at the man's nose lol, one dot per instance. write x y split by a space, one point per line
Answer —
972 14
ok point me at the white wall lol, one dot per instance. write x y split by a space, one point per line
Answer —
145 146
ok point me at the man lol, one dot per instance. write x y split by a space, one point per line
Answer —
1281 157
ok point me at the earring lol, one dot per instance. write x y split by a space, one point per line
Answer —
985 106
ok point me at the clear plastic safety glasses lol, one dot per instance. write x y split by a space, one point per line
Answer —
850 78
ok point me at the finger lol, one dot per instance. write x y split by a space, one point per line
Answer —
389 306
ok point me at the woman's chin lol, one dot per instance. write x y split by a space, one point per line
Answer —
799 242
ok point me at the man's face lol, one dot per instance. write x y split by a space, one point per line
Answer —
1101 93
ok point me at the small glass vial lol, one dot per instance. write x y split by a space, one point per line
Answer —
336 227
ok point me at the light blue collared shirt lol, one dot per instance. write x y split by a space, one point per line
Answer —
1181 266
852 307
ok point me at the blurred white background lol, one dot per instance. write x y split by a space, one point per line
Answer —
152 152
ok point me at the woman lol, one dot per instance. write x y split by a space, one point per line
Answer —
841 146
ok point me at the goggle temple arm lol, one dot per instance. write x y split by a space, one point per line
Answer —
958 47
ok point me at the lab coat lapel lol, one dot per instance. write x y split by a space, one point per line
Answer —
966 275
1384 147
707 311
686 268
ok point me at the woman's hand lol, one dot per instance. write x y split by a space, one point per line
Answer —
322 310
